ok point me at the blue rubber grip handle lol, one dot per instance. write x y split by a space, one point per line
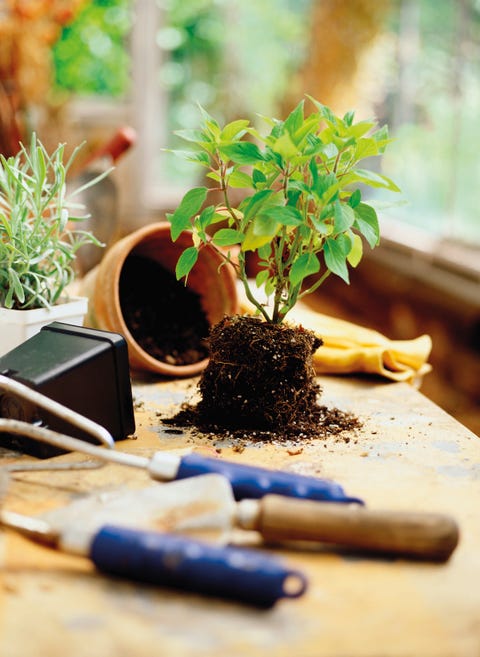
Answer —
253 482
182 563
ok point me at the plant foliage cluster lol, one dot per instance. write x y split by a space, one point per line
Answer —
37 241
302 213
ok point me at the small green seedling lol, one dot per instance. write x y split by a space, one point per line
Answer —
301 211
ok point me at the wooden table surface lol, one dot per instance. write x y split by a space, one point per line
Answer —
408 455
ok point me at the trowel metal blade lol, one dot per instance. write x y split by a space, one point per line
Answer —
202 506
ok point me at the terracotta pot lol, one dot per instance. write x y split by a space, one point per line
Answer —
216 289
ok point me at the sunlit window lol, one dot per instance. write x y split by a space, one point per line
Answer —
413 65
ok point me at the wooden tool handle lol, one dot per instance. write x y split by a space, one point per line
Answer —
421 535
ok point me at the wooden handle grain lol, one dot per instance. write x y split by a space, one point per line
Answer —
431 536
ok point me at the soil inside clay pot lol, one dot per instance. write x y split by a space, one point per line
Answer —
163 315
260 381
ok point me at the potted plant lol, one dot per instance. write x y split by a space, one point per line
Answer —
302 216
38 242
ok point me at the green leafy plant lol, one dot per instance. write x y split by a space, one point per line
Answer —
301 213
37 241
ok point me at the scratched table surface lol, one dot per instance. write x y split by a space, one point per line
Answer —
408 455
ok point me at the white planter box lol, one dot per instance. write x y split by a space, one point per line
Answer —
16 326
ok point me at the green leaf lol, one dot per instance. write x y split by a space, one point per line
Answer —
261 277
375 179
234 130
186 262
356 252
344 217
195 136
252 205
197 157
240 180
355 198
258 177
206 218
294 120
228 237
285 147
306 265
366 222
260 232
366 147
348 118
283 214
243 152
189 206
335 258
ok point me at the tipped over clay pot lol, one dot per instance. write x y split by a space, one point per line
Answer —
108 287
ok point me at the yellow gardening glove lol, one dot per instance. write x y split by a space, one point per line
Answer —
348 348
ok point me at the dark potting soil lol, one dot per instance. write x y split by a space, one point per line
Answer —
260 384
163 315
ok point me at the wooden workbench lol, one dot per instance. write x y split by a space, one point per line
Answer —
409 455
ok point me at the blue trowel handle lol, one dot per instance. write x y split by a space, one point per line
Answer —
253 482
183 563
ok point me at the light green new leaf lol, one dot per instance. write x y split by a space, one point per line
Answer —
189 206
186 262
234 130
375 179
366 147
366 221
227 237
356 251
260 232
194 136
261 277
306 265
240 180
285 147
243 152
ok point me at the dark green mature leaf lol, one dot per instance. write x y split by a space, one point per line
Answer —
258 177
186 262
243 152
251 206
306 265
228 237
366 222
336 258
355 198
189 206
283 214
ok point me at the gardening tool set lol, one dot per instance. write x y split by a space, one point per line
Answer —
184 531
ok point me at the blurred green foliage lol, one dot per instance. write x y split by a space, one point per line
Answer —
91 57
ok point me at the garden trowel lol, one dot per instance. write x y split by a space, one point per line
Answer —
206 505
